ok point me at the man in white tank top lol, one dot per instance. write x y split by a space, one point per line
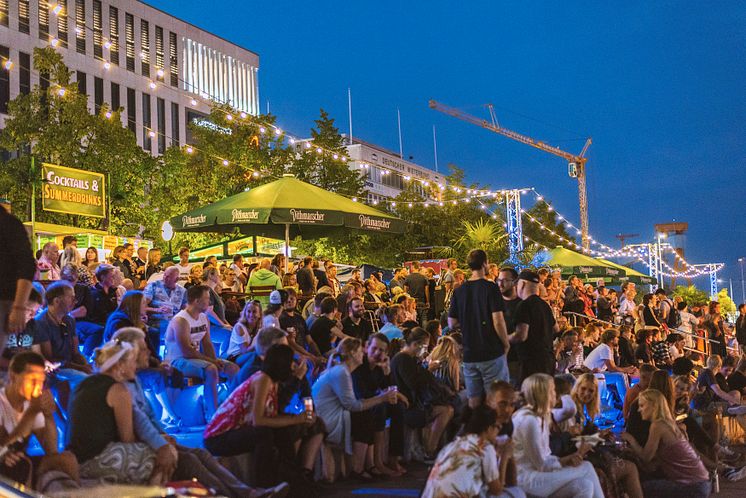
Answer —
189 348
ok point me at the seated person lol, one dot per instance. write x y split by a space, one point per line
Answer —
327 327
101 303
540 473
644 351
250 420
355 324
26 408
165 298
638 427
175 461
244 331
429 401
737 380
101 433
568 352
55 334
393 317
601 360
335 402
646 372
476 463
189 348
683 471
711 391
131 312
312 310
291 321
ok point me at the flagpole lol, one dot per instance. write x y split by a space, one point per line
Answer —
398 120
435 149
349 111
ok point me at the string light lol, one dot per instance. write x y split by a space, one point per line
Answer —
56 9
8 64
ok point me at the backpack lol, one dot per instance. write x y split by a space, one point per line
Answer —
674 317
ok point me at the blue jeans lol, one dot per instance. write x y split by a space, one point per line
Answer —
91 336
479 375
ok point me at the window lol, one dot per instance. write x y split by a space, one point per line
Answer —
114 35
82 83
4 13
43 20
173 59
129 41
23 16
147 142
131 110
24 72
145 47
161 108
159 54
98 94
80 26
62 23
98 31
4 81
116 102
174 124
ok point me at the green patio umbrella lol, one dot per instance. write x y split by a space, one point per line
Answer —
287 207
576 263
632 275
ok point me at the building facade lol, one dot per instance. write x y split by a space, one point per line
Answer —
124 54
386 174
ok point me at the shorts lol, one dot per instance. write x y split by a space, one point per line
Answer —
191 367
478 375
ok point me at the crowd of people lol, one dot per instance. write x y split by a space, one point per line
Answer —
508 383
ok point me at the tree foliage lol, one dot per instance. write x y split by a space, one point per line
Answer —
691 295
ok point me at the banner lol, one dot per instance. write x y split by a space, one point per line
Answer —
73 191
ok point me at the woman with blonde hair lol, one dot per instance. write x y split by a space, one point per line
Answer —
685 475
539 472
244 332
336 405
585 394
445 362
101 429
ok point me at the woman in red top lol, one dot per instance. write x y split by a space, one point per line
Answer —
249 420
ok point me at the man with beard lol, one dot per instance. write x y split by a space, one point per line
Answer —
354 324
506 280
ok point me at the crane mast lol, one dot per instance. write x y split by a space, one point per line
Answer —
576 163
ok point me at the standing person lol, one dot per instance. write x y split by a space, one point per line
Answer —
331 278
683 471
240 269
741 328
306 281
477 309
650 305
321 280
603 305
47 267
448 276
415 284
507 278
398 280
16 274
716 330
91 258
189 348
690 323
183 265
154 263
534 330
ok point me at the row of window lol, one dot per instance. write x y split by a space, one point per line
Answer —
112 44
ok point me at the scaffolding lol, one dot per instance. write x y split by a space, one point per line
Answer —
514 225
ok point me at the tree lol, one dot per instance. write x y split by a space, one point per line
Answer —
54 125
483 234
323 161
691 295
727 306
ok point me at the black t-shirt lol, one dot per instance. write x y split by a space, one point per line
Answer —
295 321
321 332
472 305
722 382
367 381
21 341
305 281
416 283
737 381
510 307
104 304
362 330
535 312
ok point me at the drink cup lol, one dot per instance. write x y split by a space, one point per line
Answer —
308 405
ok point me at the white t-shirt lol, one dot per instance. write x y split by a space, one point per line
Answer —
595 359
239 337
184 271
197 330
270 321
9 418
626 307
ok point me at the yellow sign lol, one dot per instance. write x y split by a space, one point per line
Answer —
73 191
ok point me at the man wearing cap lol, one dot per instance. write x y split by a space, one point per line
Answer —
535 327
477 309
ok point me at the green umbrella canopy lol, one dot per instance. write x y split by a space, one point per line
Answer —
573 262
632 275
287 203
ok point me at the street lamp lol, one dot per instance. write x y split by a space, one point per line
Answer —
167 233
743 285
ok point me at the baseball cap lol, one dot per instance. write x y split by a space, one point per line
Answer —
528 275
275 297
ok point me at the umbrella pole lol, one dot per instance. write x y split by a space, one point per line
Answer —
287 245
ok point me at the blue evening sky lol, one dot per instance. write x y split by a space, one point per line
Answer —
660 86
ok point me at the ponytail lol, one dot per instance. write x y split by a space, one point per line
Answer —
345 348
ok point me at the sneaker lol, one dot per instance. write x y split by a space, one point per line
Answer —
279 491
735 474
737 410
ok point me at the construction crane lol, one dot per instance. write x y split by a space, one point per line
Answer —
624 236
575 163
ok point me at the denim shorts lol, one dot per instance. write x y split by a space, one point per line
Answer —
478 375
191 367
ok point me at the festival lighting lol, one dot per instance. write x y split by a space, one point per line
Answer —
56 9
54 42
152 85
160 73
107 45
225 162
108 114
8 64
